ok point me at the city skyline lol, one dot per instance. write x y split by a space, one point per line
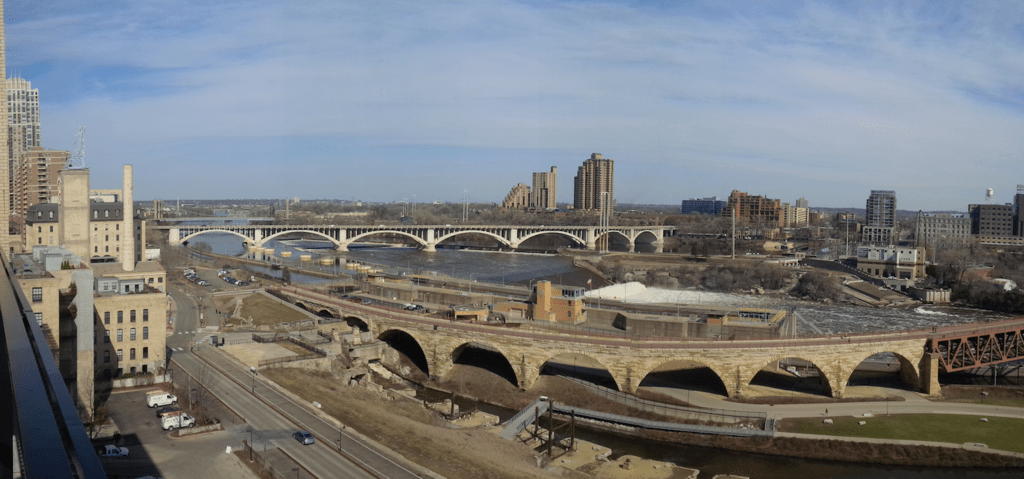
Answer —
391 101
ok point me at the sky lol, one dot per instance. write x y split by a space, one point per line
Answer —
437 100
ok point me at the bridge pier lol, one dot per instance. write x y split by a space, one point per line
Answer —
930 374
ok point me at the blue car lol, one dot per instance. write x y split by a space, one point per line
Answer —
304 437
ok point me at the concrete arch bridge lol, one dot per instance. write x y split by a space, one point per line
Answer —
630 360
428 237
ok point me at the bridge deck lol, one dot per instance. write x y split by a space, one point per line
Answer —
519 422
661 425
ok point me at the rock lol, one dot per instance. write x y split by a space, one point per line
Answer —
984 419
827 421
862 423
867 414
984 393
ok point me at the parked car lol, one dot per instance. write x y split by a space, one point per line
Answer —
202 282
366 301
304 437
111 450
167 409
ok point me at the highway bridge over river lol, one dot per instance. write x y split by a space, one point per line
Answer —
428 237
921 353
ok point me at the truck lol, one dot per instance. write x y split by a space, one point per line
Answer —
175 419
160 398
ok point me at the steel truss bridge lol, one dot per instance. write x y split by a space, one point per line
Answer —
978 348
428 237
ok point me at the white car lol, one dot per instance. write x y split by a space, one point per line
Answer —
111 450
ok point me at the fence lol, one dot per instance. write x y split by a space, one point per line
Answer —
238 341
302 343
665 409
262 461
265 338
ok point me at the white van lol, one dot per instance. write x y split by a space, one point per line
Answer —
176 419
160 398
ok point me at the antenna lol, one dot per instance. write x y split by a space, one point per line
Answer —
77 161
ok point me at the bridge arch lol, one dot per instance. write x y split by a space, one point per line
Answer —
354 321
500 239
357 237
197 233
827 378
410 344
571 236
643 235
490 362
715 369
533 367
317 233
909 373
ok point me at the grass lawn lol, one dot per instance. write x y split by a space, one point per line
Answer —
268 312
1005 434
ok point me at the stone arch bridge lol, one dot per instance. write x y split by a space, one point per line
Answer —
629 360
428 237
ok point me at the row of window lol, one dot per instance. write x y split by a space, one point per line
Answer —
120 316
131 355
120 371
120 334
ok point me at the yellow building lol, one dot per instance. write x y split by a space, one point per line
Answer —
557 303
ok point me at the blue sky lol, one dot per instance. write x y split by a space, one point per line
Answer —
392 101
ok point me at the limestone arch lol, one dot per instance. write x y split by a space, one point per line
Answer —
357 322
909 372
715 368
533 367
610 233
325 313
357 237
499 350
500 239
245 239
577 239
427 359
642 235
317 233
830 382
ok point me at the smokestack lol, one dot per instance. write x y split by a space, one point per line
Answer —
128 212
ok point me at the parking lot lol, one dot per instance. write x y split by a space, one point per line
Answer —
152 452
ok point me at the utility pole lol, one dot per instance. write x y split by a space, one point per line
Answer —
735 212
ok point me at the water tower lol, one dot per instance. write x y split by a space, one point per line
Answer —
989 193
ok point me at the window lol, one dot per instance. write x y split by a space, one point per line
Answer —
145 367
120 317
131 334
150 280
106 336
160 279
106 237
106 317
117 227
145 332
145 355
51 217
40 229
95 214
117 212
51 229
133 368
120 335
132 315
131 353
95 249
39 318
106 372
106 358
106 213
106 249
120 357
120 371
145 315
37 295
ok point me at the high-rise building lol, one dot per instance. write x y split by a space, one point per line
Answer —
35 180
754 209
22 124
793 216
1018 211
594 184
5 158
880 218
518 198
801 203
992 223
545 190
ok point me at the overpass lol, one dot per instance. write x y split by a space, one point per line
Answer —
428 237
920 353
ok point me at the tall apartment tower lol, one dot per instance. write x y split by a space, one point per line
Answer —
35 180
5 159
801 203
596 176
1018 212
880 218
22 125
544 194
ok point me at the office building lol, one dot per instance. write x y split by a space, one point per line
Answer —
703 206
756 210
594 185
6 239
992 223
941 229
544 194
1018 212
891 262
793 216
518 198
880 218
35 181
801 203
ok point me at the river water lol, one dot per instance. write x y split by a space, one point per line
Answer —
503 267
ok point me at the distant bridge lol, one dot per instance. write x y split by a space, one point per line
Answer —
920 353
428 237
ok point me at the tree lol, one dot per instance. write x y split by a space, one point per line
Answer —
286 275
202 247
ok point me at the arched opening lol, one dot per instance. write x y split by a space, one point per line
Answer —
579 367
884 370
616 241
409 350
790 376
471 239
548 242
644 242
482 359
357 322
323 313
678 376
302 305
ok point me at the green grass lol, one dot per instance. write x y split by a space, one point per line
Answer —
1005 434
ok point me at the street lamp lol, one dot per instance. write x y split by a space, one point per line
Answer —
252 369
